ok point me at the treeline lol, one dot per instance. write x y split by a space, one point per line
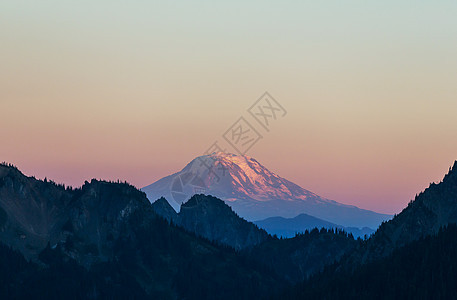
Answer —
62 185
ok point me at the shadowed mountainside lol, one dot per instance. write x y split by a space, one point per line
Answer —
105 236
431 209
104 226
211 218
423 269
412 255
107 239
292 259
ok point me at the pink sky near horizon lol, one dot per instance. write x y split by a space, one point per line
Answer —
134 91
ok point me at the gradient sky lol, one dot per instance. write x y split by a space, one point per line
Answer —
136 89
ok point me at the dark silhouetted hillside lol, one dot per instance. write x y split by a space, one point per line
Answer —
108 232
211 218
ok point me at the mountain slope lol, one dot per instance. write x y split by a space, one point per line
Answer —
211 218
164 209
432 209
32 212
292 259
412 255
105 227
254 192
423 269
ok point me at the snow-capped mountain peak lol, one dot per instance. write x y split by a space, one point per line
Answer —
253 191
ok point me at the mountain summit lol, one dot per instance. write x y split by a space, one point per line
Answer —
254 192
